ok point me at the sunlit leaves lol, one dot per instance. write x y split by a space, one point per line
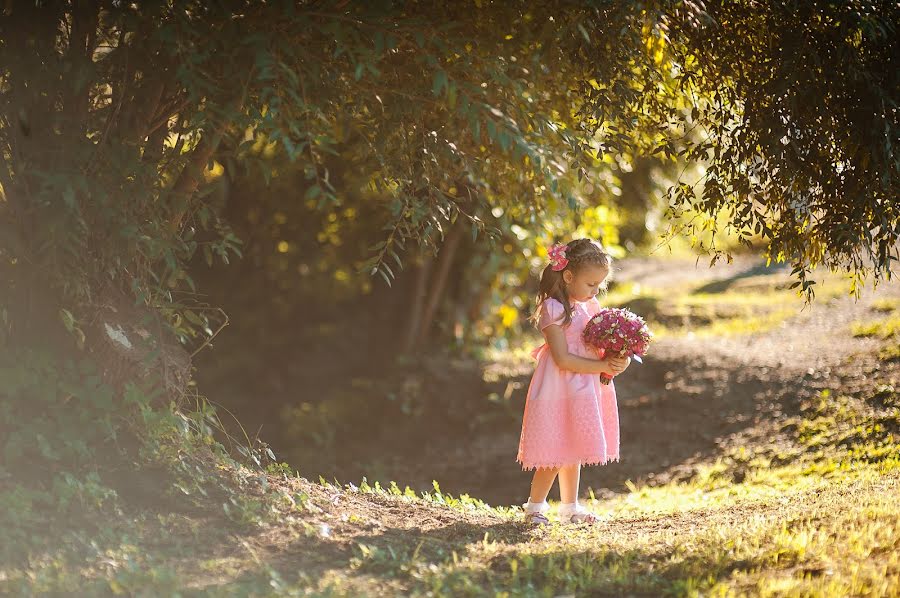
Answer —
775 129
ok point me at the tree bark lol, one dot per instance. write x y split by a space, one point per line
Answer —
82 42
189 179
192 174
420 289
445 259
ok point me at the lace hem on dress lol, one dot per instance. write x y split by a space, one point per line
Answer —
591 460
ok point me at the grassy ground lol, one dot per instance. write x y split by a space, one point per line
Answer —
822 521
800 499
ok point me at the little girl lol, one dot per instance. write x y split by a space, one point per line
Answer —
570 419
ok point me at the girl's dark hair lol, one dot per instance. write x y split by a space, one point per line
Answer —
580 253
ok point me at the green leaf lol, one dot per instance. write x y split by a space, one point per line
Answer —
69 197
451 94
476 129
396 258
504 140
67 319
439 82
312 192
584 33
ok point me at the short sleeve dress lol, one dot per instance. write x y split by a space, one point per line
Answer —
570 417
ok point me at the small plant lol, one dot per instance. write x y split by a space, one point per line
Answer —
245 510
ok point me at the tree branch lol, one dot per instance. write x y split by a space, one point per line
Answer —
189 179
82 41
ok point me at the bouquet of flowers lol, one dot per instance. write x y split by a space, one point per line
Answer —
617 331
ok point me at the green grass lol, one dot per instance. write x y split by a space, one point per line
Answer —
887 328
883 328
749 305
886 304
889 353
811 513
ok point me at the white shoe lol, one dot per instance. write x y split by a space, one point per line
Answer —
578 515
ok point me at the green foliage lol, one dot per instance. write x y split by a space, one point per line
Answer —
798 149
74 451
883 328
63 410
447 114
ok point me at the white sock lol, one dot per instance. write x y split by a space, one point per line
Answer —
568 509
535 507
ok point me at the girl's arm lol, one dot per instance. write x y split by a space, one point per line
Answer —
556 339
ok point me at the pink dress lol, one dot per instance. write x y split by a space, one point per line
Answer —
569 417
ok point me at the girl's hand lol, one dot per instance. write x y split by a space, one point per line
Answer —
614 365
620 363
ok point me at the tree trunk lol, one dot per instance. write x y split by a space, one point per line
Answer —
189 179
423 267
82 42
445 260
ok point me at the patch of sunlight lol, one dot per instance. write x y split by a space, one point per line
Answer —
889 353
624 292
750 324
840 551
887 304
736 298
883 328
508 315
216 171
712 486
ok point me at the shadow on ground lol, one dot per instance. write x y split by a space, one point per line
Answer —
672 412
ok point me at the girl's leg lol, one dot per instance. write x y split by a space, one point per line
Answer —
569 478
541 483
540 488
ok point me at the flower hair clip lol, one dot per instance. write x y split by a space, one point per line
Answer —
557 255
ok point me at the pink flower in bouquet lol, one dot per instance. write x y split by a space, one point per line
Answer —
617 331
